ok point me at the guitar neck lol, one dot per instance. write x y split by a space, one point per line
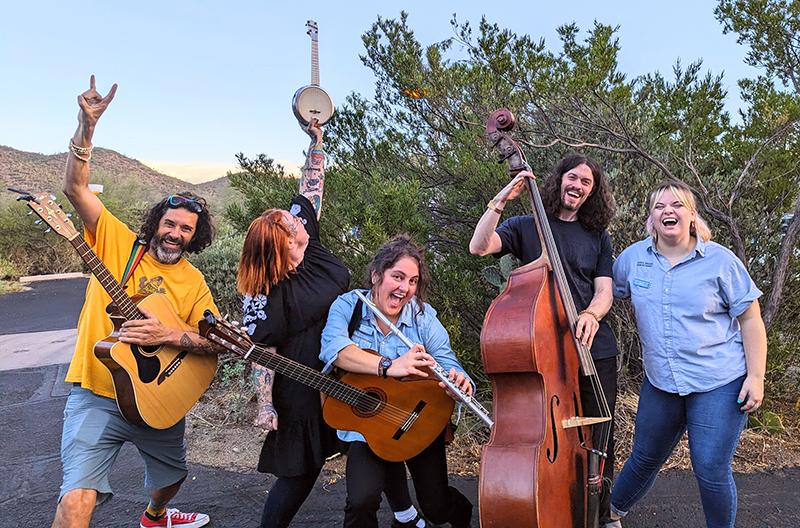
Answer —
106 279
306 375
314 63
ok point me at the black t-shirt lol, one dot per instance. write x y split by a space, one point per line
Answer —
585 255
291 318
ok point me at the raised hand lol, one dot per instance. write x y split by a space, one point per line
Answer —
92 105
315 133
513 189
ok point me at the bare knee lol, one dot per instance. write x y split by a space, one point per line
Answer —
75 508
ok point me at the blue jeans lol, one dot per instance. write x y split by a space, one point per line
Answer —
714 422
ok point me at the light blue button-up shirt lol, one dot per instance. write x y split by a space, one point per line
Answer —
686 314
423 328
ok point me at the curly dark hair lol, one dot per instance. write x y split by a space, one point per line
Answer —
204 233
599 208
392 251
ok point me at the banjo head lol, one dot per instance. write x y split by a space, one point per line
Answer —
312 102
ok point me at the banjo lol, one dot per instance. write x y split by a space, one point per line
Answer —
311 101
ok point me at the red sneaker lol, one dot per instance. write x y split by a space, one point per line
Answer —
175 519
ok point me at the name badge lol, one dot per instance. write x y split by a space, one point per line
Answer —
641 283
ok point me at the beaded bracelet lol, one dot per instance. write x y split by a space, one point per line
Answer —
82 153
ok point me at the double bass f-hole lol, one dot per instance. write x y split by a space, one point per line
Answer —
552 452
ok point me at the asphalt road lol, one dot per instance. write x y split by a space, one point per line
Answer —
48 305
31 410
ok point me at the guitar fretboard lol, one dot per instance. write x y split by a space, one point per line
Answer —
307 376
106 279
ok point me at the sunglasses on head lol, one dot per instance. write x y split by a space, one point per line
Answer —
176 200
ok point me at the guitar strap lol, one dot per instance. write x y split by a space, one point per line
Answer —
137 252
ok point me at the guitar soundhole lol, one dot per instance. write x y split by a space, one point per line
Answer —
149 350
369 403
148 366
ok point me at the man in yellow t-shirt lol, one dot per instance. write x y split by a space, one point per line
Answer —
94 430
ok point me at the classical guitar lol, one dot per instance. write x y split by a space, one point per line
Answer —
311 101
397 418
154 385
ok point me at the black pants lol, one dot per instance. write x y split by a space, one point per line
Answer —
285 498
288 494
367 476
607 373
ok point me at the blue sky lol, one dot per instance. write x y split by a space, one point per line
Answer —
201 81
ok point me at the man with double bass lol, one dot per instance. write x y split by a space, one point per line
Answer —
94 429
579 206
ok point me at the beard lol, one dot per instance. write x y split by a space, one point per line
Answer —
166 255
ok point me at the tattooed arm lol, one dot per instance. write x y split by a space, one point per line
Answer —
150 331
197 344
312 180
267 417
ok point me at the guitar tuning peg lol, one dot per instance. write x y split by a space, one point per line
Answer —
30 213
235 323
37 222
53 197
69 215
47 230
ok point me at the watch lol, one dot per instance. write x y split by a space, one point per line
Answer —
383 366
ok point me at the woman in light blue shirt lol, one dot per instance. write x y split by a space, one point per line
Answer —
399 278
704 350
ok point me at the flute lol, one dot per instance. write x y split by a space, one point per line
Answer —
471 403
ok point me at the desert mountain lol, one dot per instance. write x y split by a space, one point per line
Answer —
30 171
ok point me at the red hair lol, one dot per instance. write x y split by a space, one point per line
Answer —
265 255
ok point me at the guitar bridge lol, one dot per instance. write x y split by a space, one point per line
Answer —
412 417
172 366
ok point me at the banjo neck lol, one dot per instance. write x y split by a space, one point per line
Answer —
313 32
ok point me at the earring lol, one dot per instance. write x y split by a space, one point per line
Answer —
692 228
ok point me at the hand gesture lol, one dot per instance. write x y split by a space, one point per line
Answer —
460 380
513 189
93 105
315 133
411 363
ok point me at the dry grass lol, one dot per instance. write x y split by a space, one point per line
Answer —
215 438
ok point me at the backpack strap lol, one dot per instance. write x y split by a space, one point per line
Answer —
355 319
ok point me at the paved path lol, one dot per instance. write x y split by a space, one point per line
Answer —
31 410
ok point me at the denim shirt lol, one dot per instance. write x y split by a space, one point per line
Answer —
686 314
422 328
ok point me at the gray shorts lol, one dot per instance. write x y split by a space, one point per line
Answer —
94 431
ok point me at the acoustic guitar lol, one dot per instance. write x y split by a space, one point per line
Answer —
311 101
154 385
397 418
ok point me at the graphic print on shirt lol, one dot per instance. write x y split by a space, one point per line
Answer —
253 310
150 286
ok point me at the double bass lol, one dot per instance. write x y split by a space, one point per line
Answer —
541 468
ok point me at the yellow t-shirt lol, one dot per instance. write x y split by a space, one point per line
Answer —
182 283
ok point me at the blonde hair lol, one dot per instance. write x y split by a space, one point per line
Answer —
685 195
265 257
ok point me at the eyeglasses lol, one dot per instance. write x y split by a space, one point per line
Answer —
195 206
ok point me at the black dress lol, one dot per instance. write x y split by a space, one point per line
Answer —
291 318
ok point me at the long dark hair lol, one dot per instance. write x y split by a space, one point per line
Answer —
204 232
598 209
396 248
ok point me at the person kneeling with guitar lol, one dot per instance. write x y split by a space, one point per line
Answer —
399 277
95 425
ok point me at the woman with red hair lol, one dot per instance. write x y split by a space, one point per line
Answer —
289 281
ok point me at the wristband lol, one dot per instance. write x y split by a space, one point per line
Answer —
492 205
